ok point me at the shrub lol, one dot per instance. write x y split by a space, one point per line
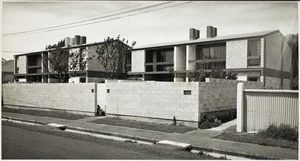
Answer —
214 119
282 131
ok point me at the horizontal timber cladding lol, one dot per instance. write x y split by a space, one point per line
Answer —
63 96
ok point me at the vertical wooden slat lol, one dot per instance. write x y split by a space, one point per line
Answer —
264 108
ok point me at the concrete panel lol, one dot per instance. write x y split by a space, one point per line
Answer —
63 96
138 61
236 54
22 64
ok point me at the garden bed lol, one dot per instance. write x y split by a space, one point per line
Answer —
145 125
55 114
260 138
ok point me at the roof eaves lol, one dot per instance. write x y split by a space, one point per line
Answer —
221 38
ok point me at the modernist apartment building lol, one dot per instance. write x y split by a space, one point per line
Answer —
29 67
261 56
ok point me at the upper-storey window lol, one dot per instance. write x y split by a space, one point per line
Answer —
254 52
149 56
159 59
216 51
165 56
254 47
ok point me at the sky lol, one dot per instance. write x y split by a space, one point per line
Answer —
164 23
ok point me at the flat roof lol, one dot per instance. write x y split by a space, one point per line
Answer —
218 38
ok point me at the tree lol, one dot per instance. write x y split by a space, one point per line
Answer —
292 40
112 55
62 62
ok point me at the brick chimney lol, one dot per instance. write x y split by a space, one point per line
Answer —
67 42
194 34
211 31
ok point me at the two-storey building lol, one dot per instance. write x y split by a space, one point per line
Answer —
261 56
31 67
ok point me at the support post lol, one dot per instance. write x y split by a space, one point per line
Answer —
240 107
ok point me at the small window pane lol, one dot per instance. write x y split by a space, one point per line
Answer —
149 57
253 62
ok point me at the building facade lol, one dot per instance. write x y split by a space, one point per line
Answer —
7 71
261 56
31 67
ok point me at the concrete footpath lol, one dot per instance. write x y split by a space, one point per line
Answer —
199 139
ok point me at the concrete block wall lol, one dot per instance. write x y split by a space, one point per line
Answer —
220 94
153 99
273 51
273 83
236 54
63 96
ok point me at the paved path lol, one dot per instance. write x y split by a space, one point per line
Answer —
198 138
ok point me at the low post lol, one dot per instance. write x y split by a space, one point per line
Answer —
240 107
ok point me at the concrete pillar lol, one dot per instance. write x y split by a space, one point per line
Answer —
179 62
240 107
190 55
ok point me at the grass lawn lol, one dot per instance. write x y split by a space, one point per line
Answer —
232 135
55 114
144 125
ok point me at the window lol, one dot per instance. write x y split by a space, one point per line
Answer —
254 47
254 79
215 51
82 80
254 52
159 60
211 56
164 67
210 65
149 57
149 68
187 92
165 56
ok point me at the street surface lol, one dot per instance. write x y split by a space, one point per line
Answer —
22 143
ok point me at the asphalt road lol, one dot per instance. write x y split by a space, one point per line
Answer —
23 143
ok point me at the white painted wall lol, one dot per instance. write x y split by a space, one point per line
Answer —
22 64
138 61
236 54
242 77
179 58
74 80
101 95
